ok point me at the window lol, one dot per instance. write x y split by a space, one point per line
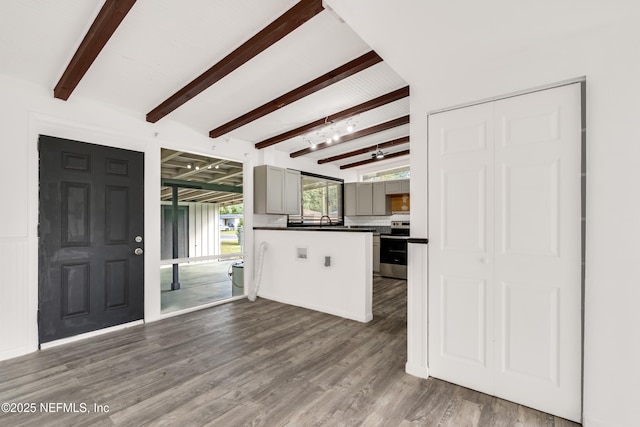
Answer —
398 173
321 198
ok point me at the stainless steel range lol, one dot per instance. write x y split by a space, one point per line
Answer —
393 251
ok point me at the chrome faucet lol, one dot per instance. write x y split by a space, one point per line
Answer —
325 216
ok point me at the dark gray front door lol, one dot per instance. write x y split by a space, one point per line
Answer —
91 212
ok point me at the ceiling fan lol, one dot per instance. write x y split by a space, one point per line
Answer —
378 155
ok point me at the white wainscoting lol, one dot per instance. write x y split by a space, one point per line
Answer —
14 289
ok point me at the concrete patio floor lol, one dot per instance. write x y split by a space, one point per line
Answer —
200 284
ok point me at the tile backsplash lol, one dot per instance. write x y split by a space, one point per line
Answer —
400 217
270 221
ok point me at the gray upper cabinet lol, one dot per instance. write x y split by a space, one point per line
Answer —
292 193
399 186
366 198
350 199
381 203
276 190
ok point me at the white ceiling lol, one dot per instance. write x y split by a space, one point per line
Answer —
162 45
471 33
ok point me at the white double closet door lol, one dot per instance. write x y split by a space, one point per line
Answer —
505 249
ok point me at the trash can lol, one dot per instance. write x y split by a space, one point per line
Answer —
236 273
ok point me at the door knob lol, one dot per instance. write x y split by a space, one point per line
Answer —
138 251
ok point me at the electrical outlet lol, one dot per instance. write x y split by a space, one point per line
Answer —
327 261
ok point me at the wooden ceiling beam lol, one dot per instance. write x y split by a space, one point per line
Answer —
101 30
342 115
350 68
373 160
272 33
355 135
365 150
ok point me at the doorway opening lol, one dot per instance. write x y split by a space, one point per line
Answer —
202 233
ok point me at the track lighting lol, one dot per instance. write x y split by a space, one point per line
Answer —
330 132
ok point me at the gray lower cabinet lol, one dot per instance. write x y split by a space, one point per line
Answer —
276 190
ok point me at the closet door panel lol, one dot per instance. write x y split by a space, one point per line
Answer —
461 246
538 250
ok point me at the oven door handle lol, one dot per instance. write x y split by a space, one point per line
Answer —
418 240
395 237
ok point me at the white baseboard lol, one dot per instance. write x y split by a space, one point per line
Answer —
366 317
416 371
91 334
13 352
593 422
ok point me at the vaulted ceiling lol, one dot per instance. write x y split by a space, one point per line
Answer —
283 74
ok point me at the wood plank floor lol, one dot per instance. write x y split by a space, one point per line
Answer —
254 364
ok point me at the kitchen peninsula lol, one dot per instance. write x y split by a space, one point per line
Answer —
327 269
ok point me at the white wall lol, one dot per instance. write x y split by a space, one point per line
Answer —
342 289
272 156
27 111
609 57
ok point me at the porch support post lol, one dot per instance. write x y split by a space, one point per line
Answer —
175 284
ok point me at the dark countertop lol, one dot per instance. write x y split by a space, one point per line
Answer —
324 228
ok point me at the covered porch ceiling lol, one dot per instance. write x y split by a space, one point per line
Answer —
220 181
